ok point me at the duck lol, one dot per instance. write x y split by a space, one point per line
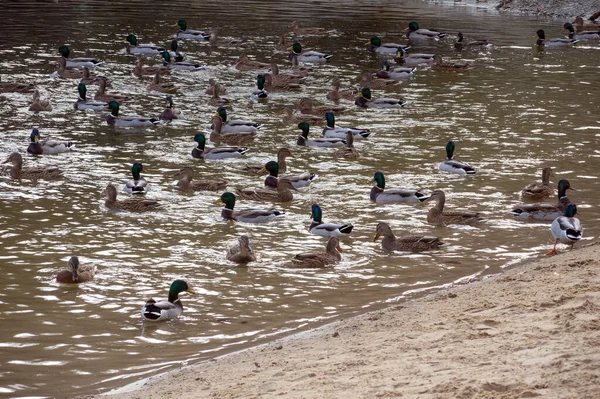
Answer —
475 45
451 165
366 79
179 65
319 259
375 46
380 195
281 44
539 191
246 215
83 103
217 152
137 205
101 94
170 309
185 33
415 33
38 104
260 93
407 243
241 252
187 183
398 73
558 42
349 151
566 229
289 116
64 51
283 193
164 87
215 41
311 57
169 113
135 48
307 107
137 185
581 26
113 119
17 171
15 87
438 216
413 59
581 35
546 211
236 125
74 273
88 78
215 88
216 100
440 64
175 54
230 138
140 70
298 30
245 64
336 94
330 130
65 73
281 78
317 227
298 181
326 142
279 85
366 101
48 147
282 154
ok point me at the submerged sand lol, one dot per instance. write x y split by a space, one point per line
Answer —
531 331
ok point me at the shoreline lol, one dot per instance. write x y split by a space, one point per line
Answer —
530 331
568 10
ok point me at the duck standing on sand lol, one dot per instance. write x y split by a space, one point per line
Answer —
566 229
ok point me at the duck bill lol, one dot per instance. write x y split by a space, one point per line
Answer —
262 171
290 48
74 275
190 291
339 248
376 237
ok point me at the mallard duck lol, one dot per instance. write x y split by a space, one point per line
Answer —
74 273
475 45
407 243
38 104
582 35
101 94
566 229
281 44
538 191
215 41
14 87
140 70
246 215
164 87
218 101
179 65
113 119
215 153
340 132
260 93
366 101
298 181
175 54
245 64
17 171
137 205
546 211
77 62
299 70
312 57
230 138
281 78
289 116
236 125
186 182
440 64
169 309
282 154
320 258
306 107
336 94
170 113
65 73
558 42
283 193
137 185
437 216
185 33
375 46
135 48
414 33
317 227
348 151
581 26
451 165
396 195
280 85
298 30
319 142
366 80
215 88
398 73
241 252
82 102
414 59
38 147
88 78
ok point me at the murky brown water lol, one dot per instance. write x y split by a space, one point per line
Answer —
515 112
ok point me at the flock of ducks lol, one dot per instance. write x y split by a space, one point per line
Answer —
400 63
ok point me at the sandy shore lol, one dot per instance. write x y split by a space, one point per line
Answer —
531 331
554 8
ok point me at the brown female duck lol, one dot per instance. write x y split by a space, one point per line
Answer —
349 151
320 258
437 215
282 154
307 107
407 243
186 182
539 191
130 205
17 171
283 193
241 252
336 94
102 95
74 273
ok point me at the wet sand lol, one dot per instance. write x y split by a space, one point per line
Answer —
531 331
